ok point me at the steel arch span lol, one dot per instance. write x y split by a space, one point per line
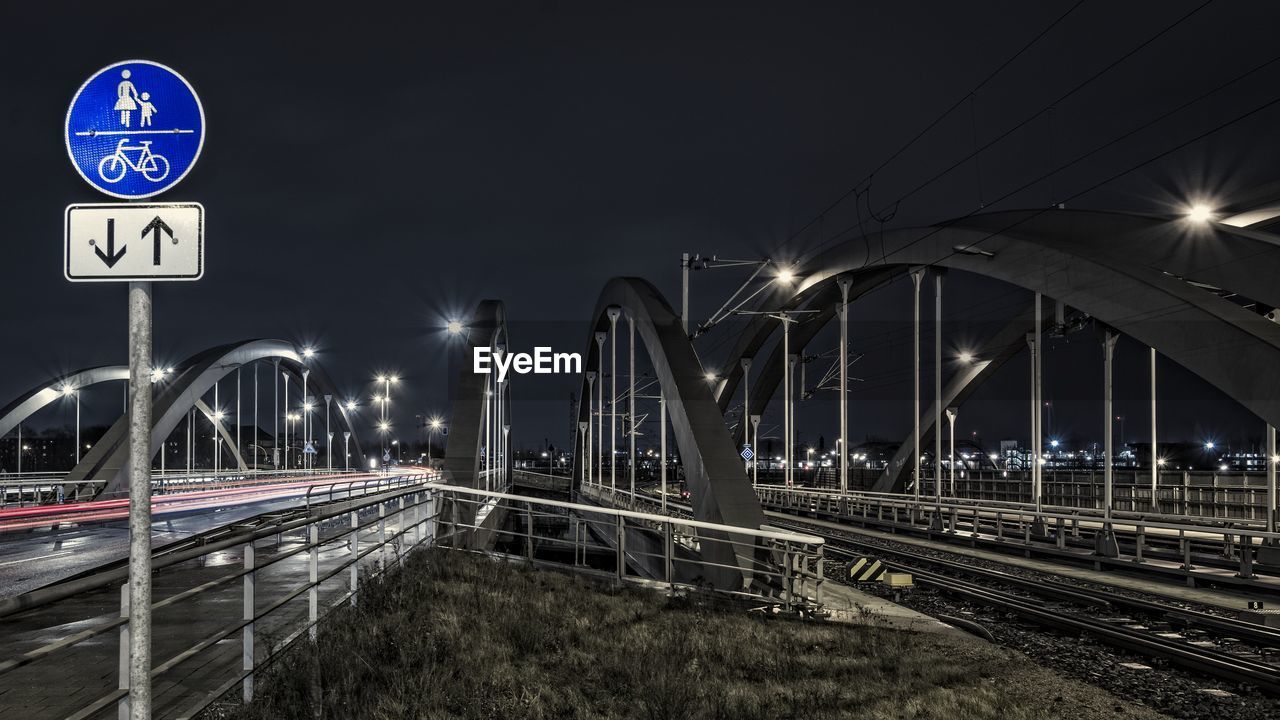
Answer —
1143 276
721 489
174 397
30 402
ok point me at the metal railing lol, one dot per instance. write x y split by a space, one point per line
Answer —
1231 537
361 486
340 549
783 567
30 489
1238 494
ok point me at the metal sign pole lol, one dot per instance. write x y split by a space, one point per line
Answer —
140 500
137 244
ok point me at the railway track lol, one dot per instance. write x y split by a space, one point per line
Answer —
974 585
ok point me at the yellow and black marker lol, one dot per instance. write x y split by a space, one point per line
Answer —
866 569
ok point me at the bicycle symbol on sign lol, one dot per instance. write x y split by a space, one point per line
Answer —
114 167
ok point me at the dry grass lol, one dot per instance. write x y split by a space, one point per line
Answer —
460 636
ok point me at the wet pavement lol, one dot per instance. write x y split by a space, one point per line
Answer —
65 682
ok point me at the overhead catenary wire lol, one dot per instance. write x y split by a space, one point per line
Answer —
932 124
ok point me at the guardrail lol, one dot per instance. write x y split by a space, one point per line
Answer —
31 489
1234 494
1231 538
340 549
1214 521
791 564
331 492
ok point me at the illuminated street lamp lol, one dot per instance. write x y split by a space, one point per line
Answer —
454 327
433 426
1199 213
291 418
69 391
216 419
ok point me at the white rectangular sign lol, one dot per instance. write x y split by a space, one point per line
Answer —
117 242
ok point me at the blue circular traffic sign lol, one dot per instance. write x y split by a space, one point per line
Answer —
135 129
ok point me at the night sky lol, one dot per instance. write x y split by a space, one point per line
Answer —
372 173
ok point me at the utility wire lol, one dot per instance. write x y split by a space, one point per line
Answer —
924 131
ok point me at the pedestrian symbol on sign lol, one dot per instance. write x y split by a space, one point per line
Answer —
310 449
134 129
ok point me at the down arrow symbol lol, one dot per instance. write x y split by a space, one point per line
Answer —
110 257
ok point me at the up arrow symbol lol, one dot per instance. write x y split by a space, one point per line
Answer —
155 227
110 257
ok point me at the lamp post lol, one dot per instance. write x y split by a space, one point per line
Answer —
216 421
600 338
286 419
844 284
432 428
916 276
937 393
1155 469
346 434
328 443
755 443
69 391
506 432
613 313
951 420
590 429
631 405
746 403
306 416
662 445
1106 542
